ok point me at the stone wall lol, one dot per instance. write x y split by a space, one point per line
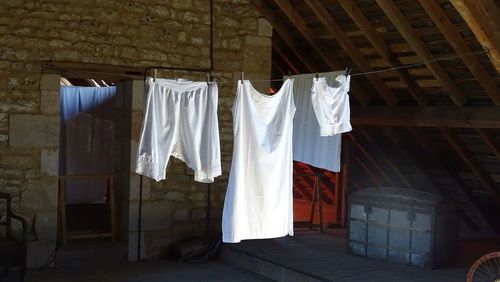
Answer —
121 33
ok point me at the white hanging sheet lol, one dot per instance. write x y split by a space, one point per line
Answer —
259 199
308 145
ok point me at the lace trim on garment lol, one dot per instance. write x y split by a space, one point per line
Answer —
145 164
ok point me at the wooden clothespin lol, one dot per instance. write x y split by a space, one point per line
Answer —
289 74
154 77
242 77
208 79
316 76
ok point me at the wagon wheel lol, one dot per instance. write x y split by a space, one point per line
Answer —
486 268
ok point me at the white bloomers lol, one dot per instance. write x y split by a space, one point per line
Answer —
180 120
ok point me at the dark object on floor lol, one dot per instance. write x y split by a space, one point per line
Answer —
403 226
12 248
194 249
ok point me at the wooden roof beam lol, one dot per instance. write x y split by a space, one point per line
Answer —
491 141
349 47
433 152
383 49
412 156
471 162
283 32
460 117
400 22
364 151
453 36
280 47
482 18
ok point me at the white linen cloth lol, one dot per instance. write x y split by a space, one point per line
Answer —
180 120
332 103
259 199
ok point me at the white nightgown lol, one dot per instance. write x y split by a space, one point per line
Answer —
259 199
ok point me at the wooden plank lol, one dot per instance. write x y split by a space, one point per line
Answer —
471 162
369 172
279 47
349 47
111 203
482 18
384 156
453 36
434 153
62 211
362 149
411 157
491 141
363 97
383 49
400 22
460 117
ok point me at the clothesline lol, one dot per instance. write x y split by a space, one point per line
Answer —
390 69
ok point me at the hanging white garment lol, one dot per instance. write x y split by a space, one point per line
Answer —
259 199
330 94
331 105
180 120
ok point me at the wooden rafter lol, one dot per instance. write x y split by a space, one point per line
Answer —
369 172
410 157
471 162
461 117
433 152
406 30
349 47
491 141
482 18
279 47
363 150
383 155
290 40
383 50
453 36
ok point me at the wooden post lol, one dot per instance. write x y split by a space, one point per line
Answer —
338 189
111 203
62 210
345 170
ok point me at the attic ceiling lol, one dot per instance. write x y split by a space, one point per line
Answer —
436 112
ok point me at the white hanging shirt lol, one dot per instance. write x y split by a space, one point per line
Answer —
180 120
259 199
329 93
331 105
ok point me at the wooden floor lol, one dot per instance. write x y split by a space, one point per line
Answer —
147 271
323 257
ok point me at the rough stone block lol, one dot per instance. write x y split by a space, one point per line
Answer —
34 130
265 28
41 194
4 122
156 215
50 102
259 41
132 246
49 162
181 215
39 253
198 214
46 225
50 82
176 196
135 187
138 95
